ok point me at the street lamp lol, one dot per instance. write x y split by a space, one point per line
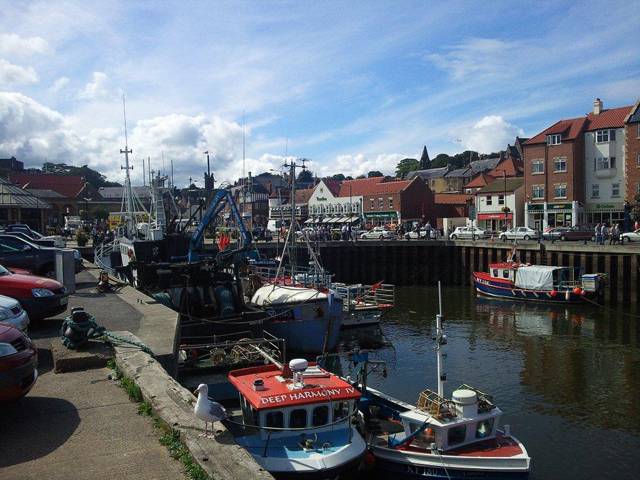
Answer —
86 208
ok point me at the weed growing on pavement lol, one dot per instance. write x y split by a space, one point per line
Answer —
177 449
145 409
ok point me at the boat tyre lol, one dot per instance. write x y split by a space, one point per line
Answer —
527 237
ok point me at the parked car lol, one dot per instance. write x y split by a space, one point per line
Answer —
519 233
578 233
43 243
308 231
422 234
12 313
18 363
41 297
57 240
555 233
380 233
21 253
473 233
630 236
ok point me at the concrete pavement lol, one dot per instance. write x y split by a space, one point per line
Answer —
81 425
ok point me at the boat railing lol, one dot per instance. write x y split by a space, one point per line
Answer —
569 284
300 276
485 401
377 294
103 251
435 405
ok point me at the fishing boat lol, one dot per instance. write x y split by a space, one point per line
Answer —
309 319
539 283
442 438
296 421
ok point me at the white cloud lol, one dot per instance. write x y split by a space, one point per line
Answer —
97 88
15 45
490 134
360 164
11 74
59 84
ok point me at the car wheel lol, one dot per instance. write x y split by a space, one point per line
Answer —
474 237
526 237
454 237
381 237
563 238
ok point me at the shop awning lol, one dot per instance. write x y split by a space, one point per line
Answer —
495 216
327 220
309 220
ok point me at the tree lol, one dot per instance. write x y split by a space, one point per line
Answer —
405 166
305 176
92 177
441 160
374 173
338 176
359 177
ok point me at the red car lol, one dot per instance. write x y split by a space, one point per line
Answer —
18 363
41 297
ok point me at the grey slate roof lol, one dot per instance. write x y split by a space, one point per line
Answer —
43 193
115 193
484 165
465 172
13 196
428 174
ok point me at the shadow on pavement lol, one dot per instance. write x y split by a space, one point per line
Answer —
23 423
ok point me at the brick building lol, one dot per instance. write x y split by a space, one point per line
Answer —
575 170
632 152
397 202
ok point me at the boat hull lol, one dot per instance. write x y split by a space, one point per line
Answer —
499 289
412 470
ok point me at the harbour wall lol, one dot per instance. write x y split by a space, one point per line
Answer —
423 262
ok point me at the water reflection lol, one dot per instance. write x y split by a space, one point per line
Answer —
568 379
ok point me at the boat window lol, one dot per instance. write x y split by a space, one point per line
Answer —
274 419
320 416
457 434
484 428
340 410
298 418
495 272
505 273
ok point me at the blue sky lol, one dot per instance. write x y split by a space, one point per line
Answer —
354 86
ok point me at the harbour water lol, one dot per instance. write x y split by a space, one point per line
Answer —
567 379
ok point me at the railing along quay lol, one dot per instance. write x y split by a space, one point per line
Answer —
425 262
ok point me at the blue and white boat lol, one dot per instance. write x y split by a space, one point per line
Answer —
308 319
296 420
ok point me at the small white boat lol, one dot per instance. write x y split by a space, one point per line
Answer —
457 438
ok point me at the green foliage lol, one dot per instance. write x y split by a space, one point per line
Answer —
339 176
145 409
82 238
459 160
305 176
374 173
171 440
405 166
132 389
101 213
92 176
360 177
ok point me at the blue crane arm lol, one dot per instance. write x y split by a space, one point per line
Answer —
220 199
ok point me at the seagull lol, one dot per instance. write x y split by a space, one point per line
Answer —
207 410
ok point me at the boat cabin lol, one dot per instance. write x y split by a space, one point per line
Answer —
449 424
310 398
536 277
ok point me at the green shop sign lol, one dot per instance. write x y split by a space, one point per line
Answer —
535 207
558 206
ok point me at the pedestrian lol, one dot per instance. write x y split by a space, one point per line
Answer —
605 233
615 234
598 233
428 230
344 233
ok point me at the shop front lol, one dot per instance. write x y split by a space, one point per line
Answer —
495 221
541 216
608 213
381 218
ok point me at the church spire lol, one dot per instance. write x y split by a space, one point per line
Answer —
425 162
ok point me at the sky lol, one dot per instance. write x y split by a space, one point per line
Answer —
352 86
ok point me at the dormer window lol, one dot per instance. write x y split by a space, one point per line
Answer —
604 136
555 139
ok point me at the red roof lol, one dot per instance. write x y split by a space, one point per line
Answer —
452 198
612 118
68 186
480 181
388 187
279 392
571 128
508 166
303 195
333 185
358 187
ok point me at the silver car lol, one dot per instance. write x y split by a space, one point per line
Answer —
12 313
519 233
472 233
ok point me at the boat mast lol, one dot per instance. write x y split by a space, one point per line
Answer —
127 183
441 341
292 227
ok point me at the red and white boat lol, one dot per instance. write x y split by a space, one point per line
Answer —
457 438
297 420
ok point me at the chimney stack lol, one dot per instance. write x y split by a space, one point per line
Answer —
597 106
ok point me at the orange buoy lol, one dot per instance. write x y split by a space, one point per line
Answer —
553 293
577 291
369 460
